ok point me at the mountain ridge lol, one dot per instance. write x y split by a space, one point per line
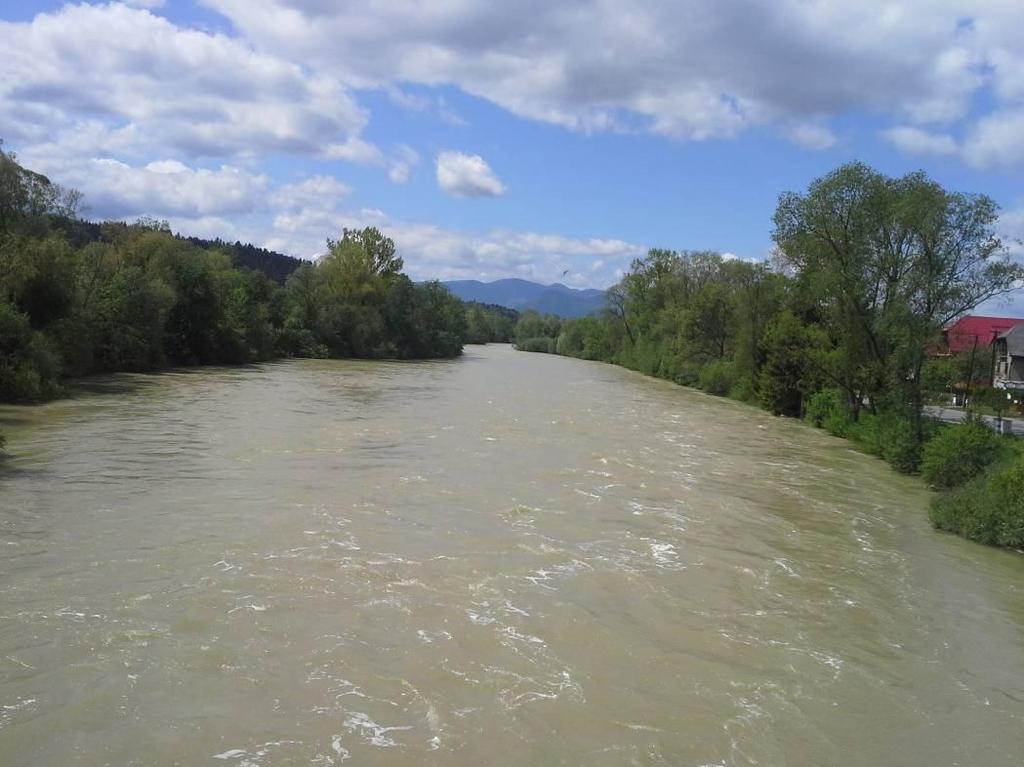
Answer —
523 295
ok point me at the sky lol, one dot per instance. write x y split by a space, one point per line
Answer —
554 141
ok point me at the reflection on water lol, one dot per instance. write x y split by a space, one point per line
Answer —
505 559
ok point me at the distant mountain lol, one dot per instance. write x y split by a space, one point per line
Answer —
522 295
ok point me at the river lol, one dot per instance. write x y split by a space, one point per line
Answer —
505 559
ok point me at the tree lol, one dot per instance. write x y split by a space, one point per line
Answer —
367 251
886 263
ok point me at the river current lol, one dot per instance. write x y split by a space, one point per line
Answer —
505 559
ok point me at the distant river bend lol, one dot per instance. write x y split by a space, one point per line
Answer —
505 559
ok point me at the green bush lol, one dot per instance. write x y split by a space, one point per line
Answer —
959 453
542 344
890 437
29 364
827 410
987 509
743 390
716 377
901 449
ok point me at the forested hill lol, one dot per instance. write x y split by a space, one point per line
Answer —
276 266
523 295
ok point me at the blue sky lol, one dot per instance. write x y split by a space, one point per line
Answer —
495 140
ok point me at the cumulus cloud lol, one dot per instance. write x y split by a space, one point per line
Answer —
913 140
813 136
997 140
467 175
692 69
163 189
112 80
315 192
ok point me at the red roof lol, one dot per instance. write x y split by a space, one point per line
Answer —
972 330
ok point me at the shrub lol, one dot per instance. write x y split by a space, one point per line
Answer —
743 390
959 453
29 364
827 410
987 509
542 344
890 437
716 377
901 447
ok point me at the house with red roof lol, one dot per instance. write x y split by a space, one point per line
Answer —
1009 357
975 332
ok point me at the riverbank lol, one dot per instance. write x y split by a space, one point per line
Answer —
977 474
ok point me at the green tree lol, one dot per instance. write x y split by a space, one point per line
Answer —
886 263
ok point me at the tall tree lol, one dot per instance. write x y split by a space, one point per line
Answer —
887 262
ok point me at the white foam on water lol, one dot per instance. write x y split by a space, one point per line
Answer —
427 637
644 728
371 732
512 632
349 544
787 567
541 578
234 753
255 757
339 749
478 619
511 608
8 710
664 553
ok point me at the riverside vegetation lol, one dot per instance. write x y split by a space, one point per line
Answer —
78 298
836 328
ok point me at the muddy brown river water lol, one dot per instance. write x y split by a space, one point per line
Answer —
506 559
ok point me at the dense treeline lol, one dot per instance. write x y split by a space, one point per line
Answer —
837 328
79 298
489 323
277 266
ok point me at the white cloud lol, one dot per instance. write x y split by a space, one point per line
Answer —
913 140
317 191
692 69
406 158
467 175
997 140
163 189
813 136
109 80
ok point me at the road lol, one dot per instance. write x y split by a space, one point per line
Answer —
956 415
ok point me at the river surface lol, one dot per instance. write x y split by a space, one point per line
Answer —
506 559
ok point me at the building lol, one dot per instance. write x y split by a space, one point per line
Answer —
1009 359
973 332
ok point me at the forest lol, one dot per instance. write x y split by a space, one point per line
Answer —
840 327
79 297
